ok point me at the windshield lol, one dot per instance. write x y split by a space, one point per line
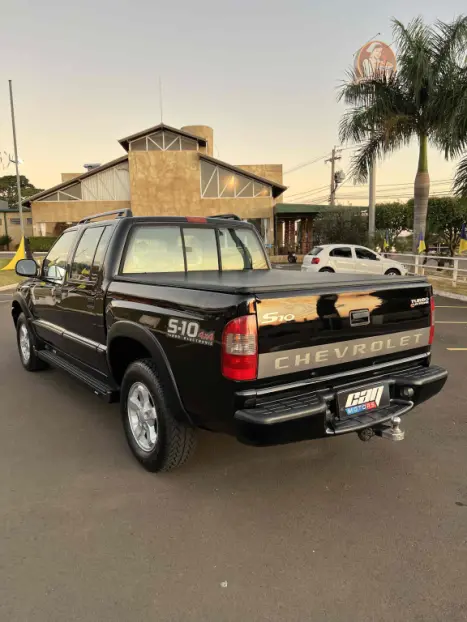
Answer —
154 249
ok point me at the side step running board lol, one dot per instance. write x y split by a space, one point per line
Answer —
109 393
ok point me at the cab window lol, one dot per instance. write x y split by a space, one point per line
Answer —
54 265
84 254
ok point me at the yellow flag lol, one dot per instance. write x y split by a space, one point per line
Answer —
421 244
20 254
463 242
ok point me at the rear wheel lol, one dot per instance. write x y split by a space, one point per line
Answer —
158 441
326 270
392 272
27 354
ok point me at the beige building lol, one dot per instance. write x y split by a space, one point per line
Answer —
165 171
10 224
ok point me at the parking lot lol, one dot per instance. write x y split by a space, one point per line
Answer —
335 530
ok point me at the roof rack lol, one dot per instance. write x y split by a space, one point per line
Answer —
121 213
226 216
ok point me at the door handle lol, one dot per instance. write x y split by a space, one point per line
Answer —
90 304
56 294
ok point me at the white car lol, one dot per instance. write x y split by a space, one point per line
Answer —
350 258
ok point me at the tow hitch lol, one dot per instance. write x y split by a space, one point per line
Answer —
390 430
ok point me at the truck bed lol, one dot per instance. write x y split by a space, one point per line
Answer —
268 281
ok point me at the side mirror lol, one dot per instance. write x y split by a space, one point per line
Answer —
26 267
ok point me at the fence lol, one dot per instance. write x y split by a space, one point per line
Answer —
444 270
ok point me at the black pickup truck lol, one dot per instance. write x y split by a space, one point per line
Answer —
184 321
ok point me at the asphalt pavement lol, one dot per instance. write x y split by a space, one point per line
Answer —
335 530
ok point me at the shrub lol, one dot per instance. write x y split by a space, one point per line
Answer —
41 244
5 240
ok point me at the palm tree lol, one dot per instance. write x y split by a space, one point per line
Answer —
416 102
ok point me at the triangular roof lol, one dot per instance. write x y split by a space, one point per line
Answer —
65 184
125 142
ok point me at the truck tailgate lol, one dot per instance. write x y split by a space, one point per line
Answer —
306 333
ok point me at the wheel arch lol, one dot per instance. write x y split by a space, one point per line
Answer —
128 342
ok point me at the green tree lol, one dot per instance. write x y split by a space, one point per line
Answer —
446 216
9 191
392 219
389 110
341 224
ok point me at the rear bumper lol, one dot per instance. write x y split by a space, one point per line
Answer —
309 414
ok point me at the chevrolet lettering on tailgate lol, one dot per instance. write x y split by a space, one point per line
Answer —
287 361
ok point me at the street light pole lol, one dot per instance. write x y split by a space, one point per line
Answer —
18 179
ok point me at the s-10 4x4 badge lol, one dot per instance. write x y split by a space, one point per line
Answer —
189 331
418 302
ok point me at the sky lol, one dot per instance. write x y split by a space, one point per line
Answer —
263 73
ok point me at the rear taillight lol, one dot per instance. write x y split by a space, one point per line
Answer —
240 349
315 260
432 320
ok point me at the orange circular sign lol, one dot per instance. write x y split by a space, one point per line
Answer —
374 58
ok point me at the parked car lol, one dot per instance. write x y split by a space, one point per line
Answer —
184 321
350 258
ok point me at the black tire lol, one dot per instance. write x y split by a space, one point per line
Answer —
326 270
175 441
31 362
392 272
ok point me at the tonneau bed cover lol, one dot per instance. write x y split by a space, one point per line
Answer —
265 281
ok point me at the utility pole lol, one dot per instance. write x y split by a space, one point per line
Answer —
18 180
332 159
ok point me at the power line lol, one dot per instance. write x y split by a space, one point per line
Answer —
303 164
348 179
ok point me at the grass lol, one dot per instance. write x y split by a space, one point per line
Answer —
8 277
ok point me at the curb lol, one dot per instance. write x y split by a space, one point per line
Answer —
5 288
439 292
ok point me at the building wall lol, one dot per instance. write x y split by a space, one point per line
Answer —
14 230
70 176
168 183
46 214
204 131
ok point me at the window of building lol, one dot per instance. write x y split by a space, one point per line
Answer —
140 144
15 221
164 141
365 253
241 250
71 193
200 249
84 254
54 265
341 252
220 182
29 221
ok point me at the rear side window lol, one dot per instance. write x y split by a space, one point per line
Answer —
341 252
241 250
315 251
365 253
100 251
154 249
84 254
54 266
